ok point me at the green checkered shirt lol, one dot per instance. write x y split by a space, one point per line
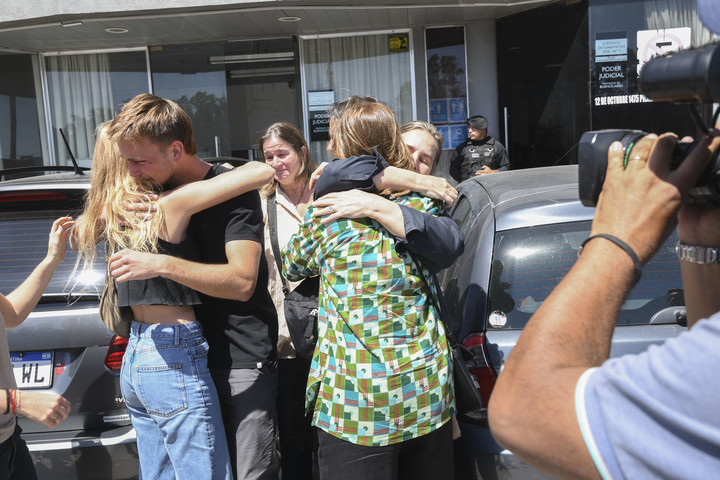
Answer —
381 371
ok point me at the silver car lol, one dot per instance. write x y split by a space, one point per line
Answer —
63 346
522 231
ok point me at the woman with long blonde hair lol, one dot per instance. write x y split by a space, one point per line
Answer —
169 392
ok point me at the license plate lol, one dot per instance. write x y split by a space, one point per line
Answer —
32 369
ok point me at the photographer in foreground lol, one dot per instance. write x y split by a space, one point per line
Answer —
559 403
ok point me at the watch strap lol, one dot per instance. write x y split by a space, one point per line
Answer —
697 254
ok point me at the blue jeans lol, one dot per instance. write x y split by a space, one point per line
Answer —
173 403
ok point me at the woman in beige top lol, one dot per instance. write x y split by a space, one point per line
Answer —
285 149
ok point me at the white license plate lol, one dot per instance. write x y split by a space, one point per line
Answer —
32 369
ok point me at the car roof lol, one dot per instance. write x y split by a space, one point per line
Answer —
55 180
534 196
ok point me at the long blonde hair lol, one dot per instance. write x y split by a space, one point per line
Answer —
107 215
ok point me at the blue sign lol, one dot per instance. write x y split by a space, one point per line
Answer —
438 111
458 134
458 110
445 132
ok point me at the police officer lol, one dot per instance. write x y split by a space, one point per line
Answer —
479 154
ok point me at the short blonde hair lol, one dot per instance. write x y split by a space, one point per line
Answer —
430 128
149 117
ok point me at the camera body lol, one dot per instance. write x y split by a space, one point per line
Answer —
592 165
681 77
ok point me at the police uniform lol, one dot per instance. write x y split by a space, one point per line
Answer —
470 156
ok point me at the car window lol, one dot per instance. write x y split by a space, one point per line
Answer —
462 213
23 245
528 263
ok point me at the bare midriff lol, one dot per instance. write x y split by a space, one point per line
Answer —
163 314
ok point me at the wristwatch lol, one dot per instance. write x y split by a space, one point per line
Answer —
697 254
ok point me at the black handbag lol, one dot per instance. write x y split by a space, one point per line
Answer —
300 305
468 401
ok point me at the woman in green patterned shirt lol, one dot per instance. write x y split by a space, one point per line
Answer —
381 377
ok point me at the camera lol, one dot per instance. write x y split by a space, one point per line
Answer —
681 77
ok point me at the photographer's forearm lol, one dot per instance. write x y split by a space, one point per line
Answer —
569 333
701 285
573 326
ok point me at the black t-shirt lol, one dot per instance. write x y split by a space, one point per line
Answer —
240 334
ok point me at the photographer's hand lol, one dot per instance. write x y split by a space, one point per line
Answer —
572 329
639 202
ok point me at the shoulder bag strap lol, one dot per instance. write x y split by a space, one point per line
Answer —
272 223
439 302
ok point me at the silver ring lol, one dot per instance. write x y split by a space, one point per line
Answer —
331 208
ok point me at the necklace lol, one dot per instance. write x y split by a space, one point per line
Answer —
299 200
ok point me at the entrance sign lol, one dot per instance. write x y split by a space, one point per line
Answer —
611 54
653 43
318 102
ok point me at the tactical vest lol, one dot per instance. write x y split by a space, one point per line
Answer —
476 156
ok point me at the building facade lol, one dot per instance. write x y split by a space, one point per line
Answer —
541 71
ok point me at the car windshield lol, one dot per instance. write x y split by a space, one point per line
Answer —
528 263
23 245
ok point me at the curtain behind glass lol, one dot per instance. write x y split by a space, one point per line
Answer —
662 14
80 89
359 65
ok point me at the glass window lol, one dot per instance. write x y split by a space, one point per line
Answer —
231 90
621 43
20 144
529 263
88 89
543 82
377 65
26 226
447 83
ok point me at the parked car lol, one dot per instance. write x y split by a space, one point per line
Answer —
522 231
63 346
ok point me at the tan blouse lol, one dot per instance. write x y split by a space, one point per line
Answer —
288 220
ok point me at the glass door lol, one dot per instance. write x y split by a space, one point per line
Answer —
84 90
337 67
231 90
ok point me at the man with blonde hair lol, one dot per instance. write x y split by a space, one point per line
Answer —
229 271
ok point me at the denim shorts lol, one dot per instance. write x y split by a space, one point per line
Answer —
173 403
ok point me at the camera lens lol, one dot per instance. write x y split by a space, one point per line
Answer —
592 165
592 159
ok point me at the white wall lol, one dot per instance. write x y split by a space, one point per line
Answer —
482 83
482 73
